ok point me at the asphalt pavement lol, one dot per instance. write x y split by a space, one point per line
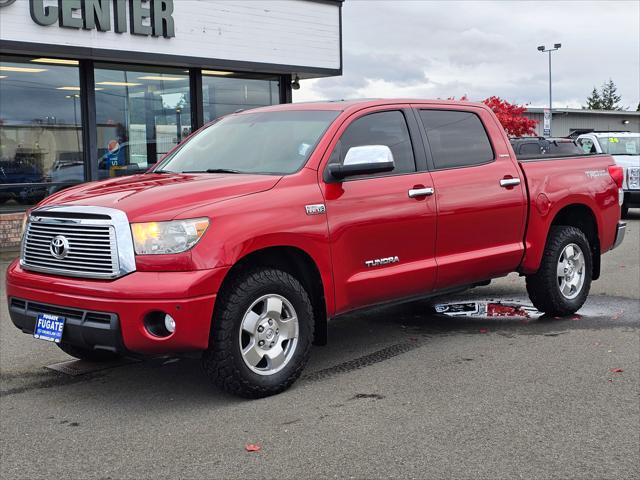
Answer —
399 392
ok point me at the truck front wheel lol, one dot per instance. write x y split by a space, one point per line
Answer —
561 284
261 334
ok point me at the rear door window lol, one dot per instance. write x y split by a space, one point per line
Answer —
456 138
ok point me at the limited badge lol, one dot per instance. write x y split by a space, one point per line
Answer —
317 209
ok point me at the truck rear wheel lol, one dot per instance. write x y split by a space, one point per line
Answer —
88 354
561 284
261 334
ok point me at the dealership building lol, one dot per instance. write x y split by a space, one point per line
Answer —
95 89
565 121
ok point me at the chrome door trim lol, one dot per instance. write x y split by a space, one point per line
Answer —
420 192
509 182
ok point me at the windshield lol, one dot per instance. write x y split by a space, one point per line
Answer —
626 145
261 142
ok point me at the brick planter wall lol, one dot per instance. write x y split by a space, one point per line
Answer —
10 225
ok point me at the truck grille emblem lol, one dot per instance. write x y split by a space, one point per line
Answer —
59 247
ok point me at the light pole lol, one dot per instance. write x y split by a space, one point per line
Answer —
547 123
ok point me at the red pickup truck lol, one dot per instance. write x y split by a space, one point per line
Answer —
248 237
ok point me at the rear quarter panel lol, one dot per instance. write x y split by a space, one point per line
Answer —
558 183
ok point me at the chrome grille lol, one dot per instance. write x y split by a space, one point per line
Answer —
63 241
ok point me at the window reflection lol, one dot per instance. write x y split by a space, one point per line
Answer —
40 129
224 94
141 114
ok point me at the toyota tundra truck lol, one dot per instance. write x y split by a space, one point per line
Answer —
256 231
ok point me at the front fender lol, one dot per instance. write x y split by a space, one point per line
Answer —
276 218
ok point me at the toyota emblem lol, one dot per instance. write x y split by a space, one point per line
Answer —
59 247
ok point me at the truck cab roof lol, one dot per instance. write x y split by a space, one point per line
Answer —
359 104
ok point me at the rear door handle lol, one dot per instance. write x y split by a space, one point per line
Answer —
509 182
420 192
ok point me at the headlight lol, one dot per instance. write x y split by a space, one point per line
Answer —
633 178
25 220
167 237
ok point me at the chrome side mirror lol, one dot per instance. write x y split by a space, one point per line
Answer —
366 159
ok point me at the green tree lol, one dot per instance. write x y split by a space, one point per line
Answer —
594 101
610 100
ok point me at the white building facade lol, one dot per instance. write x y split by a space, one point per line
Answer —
95 89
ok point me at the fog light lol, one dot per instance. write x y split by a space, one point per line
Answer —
169 323
159 324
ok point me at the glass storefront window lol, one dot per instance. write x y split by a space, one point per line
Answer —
226 94
141 114
40 129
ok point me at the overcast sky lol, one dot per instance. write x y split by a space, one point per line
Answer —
438 49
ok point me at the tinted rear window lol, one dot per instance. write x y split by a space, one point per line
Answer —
563 148
456 139
530 149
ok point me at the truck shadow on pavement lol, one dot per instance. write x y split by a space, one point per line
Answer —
356 341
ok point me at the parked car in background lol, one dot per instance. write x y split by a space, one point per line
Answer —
536 146
255 231
69 171
624 147
20 180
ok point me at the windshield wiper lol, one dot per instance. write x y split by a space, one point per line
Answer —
213 170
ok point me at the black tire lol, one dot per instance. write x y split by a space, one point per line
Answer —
624 211
543 287
88 354
223 362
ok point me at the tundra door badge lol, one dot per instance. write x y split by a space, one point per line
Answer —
381 261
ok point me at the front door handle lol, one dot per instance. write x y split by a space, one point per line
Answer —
420 192
509 182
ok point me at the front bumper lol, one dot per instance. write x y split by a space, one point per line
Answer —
632 198
87 329
620 231
109 315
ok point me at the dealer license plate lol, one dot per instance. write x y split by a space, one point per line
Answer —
49 327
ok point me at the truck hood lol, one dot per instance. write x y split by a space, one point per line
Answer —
157 197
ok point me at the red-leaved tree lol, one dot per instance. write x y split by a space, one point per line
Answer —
510 115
